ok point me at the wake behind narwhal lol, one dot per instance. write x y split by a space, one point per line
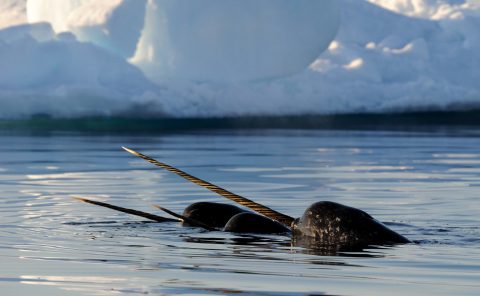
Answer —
324 223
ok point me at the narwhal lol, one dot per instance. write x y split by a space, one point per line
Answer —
324 223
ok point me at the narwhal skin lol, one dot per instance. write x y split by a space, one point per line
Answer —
332 223
323 223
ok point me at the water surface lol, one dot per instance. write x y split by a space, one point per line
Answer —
423 185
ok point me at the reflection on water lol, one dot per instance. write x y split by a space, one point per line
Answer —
424 186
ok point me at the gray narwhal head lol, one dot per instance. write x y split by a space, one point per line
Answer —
330 223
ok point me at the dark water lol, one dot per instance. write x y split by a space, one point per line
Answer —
424 185
408 120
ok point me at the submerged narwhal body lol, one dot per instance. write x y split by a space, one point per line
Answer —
323 223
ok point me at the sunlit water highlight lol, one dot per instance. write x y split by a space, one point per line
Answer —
424 185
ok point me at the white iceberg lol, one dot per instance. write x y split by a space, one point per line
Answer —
115 25
231 40
45 73
208 40
388 55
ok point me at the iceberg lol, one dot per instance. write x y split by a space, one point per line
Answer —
160 57
12 12
430 9
231 40
54 74
208 40
115 25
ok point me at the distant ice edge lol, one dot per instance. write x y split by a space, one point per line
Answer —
387 56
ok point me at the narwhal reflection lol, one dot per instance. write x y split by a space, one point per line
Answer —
323 223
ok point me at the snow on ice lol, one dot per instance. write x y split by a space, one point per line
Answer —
230 57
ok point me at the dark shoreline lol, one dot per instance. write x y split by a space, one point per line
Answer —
418 121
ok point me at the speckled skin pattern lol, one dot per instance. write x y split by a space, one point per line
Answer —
330 223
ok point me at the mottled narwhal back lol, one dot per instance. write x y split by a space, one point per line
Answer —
331 223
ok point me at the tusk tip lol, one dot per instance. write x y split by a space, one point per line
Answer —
129 150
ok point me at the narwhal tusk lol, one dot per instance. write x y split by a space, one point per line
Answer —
259 208
185 219
128 211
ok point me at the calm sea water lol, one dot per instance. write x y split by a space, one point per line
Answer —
424 185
